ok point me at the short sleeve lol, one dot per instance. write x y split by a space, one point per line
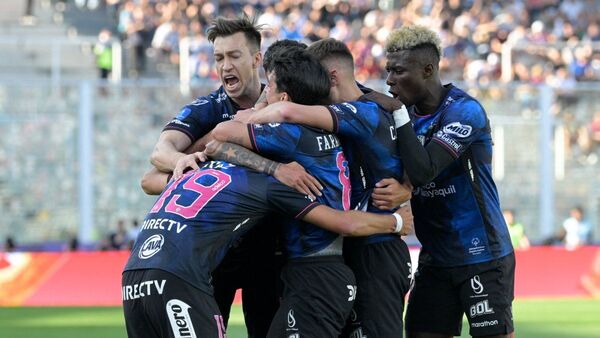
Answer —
463 123
275 139
288 201
354 119
196 119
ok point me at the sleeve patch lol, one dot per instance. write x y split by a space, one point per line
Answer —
447 140
457 129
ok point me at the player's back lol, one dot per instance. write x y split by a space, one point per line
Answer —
197 218
321 154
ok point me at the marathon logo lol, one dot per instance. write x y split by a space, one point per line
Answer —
179 317
440 135
327 142
163 224
458 129
151 246
143 289
485 323
335 109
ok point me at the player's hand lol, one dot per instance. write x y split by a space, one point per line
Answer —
243 115
408 223
387 102
187 161
294 176
389 193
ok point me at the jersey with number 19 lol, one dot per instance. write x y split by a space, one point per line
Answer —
197 218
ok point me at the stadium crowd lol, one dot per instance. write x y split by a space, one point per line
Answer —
554 41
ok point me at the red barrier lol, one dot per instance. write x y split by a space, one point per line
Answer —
94 278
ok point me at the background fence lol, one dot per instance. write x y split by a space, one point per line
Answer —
71 162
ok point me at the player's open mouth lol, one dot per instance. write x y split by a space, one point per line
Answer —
231 81
394 95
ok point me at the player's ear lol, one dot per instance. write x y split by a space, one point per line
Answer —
284 97
257 60
428 71
333 77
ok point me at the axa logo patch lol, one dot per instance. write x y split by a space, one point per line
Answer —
151 246
458 129
179 317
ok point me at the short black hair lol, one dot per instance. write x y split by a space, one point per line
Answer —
222 27
277 46
301 76
331 49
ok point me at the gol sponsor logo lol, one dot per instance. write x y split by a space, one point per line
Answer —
151 246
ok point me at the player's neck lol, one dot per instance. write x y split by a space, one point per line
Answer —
249 99
348 91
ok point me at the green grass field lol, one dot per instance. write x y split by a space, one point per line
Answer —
533 319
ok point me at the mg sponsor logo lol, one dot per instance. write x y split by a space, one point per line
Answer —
349 106
151 246
179 317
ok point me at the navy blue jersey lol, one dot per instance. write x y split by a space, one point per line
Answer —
321 155
197 218
368 137
203 114
458 219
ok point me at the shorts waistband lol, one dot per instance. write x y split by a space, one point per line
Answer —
316 259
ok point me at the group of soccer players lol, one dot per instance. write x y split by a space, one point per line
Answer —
234 222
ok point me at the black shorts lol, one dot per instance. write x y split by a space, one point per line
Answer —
254 266
484 292
158 304
317 298
383 274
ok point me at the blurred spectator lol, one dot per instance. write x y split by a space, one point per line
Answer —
73 244
132 233
117 240
103 52
9 244
575 230
516 230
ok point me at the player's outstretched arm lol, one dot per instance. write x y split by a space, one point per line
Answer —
285 111
291 174
359 223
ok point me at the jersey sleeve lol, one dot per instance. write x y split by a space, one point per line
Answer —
277 140
462 124
195 119
354 119
288 201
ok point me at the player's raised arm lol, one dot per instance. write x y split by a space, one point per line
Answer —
285 111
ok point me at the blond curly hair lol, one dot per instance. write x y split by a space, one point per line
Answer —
411 37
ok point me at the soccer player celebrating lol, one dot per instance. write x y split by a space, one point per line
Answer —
252 265
467 262
365 126
166 285
318 286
